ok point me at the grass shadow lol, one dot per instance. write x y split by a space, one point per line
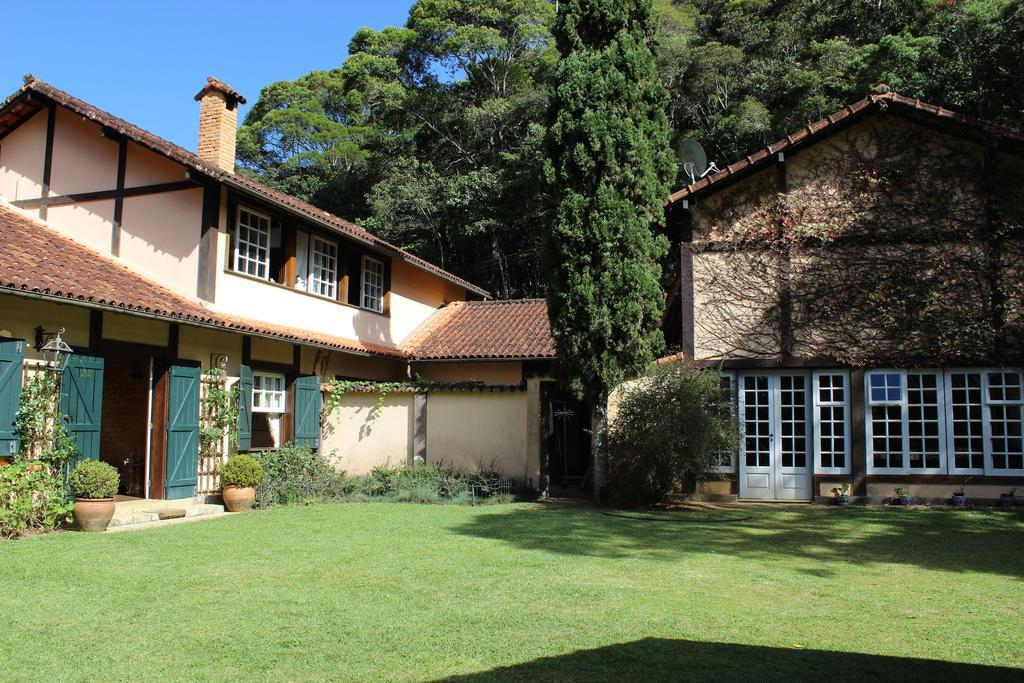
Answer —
934 539
659 659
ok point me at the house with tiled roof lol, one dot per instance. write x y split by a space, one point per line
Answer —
859 285
157 264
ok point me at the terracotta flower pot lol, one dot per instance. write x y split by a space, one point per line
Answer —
239 498
93 514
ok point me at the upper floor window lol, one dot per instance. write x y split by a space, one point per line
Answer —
372 295
252 244
323 268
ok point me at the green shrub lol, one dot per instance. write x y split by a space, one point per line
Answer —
671 426
32 499
422 492
94 479
297 474
241 470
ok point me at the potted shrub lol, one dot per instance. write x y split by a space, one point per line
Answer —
842 494
1009 499
239 479
903 495
93 484
959 496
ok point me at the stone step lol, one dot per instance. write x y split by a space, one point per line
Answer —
156 524
127 513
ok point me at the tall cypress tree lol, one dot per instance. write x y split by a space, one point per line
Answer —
609 168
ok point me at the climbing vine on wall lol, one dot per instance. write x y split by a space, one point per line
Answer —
219 411
39 422
336 391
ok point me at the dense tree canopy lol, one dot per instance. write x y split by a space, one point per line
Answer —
431 134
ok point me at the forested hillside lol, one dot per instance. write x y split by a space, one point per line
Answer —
431 134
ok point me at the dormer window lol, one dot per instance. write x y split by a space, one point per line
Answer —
373 284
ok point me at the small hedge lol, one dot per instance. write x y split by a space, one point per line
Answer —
94 479
296 474
32 499
241 470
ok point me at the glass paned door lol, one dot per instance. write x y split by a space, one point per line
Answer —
776 462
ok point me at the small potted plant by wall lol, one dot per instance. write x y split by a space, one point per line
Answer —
1008 499
959 496
93 484
903 495
842 494
239 479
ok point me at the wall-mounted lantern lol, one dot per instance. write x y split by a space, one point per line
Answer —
55 350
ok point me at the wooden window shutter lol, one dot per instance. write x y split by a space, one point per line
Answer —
12 354
244 436
355 278
307 411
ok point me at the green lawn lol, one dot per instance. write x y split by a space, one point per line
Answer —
392 591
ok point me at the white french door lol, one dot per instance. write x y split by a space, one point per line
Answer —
775 444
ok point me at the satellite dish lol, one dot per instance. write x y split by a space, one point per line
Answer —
692 157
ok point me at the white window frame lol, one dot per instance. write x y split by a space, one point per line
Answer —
312 281
258 391
735 456
986 422
238 256
817 404
365 298
905 421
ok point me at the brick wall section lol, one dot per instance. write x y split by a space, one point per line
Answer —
217 128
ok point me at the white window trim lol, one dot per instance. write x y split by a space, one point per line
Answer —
363 284
733 397
236 240
816 417
905 422
284 393
310 284
986 423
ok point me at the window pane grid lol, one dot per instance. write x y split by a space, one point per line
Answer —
924 451
373 284
793 421
832 421
323 268
966 423
267 393
756 422
252 244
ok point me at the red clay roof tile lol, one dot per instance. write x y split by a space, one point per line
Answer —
464 330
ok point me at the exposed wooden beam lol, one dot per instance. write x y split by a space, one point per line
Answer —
51 123
80 197
115 231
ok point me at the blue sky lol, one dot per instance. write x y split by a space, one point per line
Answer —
145 60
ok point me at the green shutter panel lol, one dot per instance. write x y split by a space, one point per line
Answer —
81 403
245 409
12 354
182 432
307 411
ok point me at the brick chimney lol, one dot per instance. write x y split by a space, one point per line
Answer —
218 123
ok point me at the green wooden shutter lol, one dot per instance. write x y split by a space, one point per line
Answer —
12 354
307 411
182 432
245 409
81 402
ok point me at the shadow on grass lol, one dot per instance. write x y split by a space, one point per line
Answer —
657 659
933 539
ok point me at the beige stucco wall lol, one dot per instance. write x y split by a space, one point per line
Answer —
21 160
506 373
19 318
83 160
200 344
272 350
130 328
415 295
160 237
475 431
331 365
91 223
937 491
355 442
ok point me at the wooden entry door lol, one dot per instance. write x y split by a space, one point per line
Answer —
775 458
182 434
